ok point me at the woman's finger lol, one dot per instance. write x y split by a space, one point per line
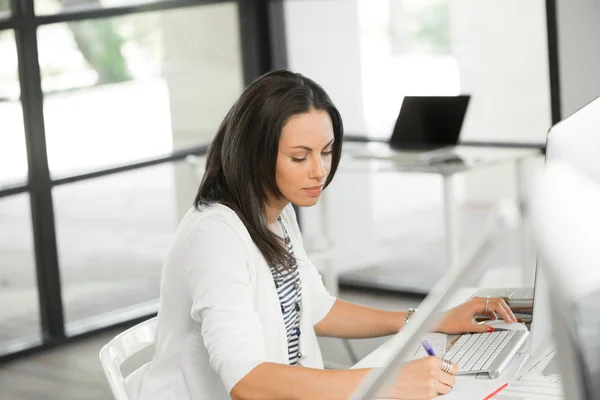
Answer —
442 388
437 363
506 315
446 378
507 308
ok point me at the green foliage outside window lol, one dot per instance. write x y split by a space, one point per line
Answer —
434 27
100 44
420 26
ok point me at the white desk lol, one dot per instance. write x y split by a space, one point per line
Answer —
476 158
376 359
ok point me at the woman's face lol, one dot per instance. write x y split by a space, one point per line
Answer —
304 157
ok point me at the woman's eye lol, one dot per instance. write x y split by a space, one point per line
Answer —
328 152
294 159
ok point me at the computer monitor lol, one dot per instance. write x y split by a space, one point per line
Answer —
575 140
429 122
503 218
566 222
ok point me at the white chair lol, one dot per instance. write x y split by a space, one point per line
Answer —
119 350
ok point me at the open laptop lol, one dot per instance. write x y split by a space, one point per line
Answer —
426 130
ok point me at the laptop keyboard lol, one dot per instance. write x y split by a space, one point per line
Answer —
486 352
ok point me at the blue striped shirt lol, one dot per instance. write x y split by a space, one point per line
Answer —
289 289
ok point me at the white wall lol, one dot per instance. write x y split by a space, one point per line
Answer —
323 44
501 48
579 52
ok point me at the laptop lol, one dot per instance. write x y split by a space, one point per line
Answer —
426 130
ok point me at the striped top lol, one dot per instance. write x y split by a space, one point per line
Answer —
289 288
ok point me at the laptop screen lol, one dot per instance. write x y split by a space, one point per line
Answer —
429 121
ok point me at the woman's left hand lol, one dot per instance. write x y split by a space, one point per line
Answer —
460 318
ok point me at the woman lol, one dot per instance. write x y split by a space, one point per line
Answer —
241 304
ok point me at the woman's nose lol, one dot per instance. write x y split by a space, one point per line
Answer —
318 169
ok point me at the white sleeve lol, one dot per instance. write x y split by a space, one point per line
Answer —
219 283
321 300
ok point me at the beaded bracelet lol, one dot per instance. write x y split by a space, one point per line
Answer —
409 314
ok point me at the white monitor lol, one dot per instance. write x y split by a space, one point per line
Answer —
575 140
566 222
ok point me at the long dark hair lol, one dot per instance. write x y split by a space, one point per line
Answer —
241 160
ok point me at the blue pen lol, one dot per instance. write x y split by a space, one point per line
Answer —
428 347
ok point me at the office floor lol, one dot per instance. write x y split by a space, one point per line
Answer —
73 372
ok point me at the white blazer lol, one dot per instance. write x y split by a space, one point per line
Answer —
219 313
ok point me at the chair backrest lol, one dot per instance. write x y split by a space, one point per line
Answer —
119 350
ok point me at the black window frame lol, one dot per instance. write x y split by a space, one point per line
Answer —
262 36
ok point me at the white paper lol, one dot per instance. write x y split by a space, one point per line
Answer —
531 383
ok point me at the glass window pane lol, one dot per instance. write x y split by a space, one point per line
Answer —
113 235
19 310
127 88
13 156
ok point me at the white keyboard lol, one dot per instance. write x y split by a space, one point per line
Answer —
486 352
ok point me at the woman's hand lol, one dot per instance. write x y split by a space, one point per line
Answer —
422 379
460 318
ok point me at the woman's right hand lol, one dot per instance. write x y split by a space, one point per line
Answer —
422 379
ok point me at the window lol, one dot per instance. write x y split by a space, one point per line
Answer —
113 236
437 47
124 89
